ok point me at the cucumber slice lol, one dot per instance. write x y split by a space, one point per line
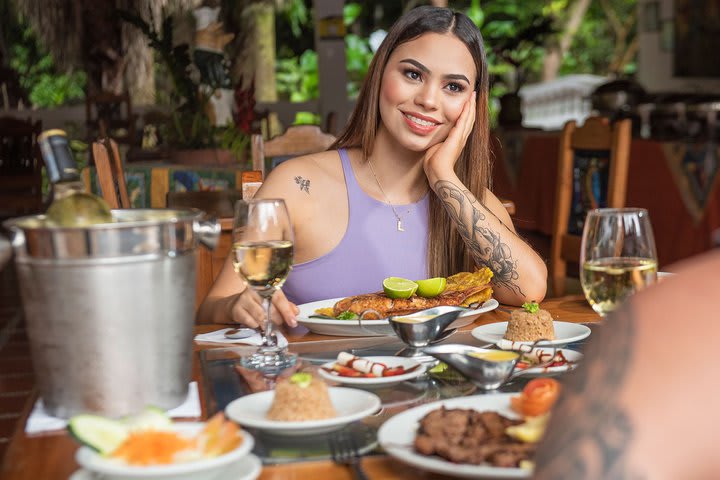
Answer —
99 433
152 418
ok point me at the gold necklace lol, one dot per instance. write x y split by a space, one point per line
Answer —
387 200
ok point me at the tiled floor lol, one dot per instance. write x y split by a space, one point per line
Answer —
16 374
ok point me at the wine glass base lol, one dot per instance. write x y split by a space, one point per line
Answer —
271 361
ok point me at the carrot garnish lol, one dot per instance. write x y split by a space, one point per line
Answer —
152 447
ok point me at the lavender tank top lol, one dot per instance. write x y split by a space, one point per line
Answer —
371 250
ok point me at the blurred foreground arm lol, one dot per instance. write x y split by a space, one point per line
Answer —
640 404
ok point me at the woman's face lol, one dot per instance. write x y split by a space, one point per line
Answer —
424 88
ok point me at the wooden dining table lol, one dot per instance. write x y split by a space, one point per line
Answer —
50 456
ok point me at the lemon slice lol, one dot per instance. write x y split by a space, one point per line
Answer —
531 431
432 287
396 287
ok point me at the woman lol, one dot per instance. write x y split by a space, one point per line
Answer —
404 190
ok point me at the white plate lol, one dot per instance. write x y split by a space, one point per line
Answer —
390 362
570 355
206 468
350 404
565 332
369 328
247 468
396 437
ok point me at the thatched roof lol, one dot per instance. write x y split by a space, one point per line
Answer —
60 24
74 30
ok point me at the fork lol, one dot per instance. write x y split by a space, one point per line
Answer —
344 451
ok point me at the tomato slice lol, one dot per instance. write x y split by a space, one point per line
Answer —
537 397
344 371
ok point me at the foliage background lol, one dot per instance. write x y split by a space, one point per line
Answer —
596 46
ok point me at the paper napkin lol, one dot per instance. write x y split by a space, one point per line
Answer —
40 421
218 336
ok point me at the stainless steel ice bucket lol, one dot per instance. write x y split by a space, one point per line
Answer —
109 308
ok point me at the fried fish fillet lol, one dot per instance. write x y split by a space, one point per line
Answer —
385 306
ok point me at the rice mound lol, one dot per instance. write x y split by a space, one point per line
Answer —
529 327
295 403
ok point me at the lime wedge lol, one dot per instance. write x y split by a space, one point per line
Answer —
396 287
432 287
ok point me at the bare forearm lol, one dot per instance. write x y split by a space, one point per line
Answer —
215 309
519 274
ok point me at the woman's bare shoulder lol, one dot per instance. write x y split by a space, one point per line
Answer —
305 176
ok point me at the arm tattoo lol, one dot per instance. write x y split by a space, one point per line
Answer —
304 184
486 245
590 435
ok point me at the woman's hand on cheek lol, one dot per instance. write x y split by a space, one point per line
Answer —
444 155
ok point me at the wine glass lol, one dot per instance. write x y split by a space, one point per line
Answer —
262 255
617 256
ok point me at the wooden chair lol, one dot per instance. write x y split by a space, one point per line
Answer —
108 114
297 140
110 173
221 205
20 167
598 144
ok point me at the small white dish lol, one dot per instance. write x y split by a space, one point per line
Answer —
572 356
369 328
390 362
565 332
247 468
203 469
350 404
396 437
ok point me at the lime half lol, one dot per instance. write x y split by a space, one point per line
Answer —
396 287
432 287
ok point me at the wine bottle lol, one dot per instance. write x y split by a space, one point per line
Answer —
72 206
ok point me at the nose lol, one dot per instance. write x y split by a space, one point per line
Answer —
427 96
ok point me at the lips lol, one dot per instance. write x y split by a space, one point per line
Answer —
420 124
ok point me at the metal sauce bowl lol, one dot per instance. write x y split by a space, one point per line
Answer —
486 368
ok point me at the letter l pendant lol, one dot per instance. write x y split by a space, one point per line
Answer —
400 226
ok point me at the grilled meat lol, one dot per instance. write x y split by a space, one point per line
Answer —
468 436
385 306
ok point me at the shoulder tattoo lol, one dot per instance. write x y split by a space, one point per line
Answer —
591 433
303 183
485 244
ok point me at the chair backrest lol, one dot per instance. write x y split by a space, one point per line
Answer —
110 173
297 140
20 167
108 114
592 173
215 203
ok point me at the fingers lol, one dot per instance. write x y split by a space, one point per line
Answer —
286 311
469 120
463 125
247 309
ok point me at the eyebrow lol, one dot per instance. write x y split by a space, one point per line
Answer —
420 66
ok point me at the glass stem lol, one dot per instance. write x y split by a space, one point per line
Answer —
269 339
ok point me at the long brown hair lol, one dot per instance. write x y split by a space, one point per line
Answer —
447 253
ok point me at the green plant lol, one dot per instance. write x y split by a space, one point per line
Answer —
38 75
189 127
517 44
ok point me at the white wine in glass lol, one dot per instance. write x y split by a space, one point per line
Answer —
263 256
617 256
